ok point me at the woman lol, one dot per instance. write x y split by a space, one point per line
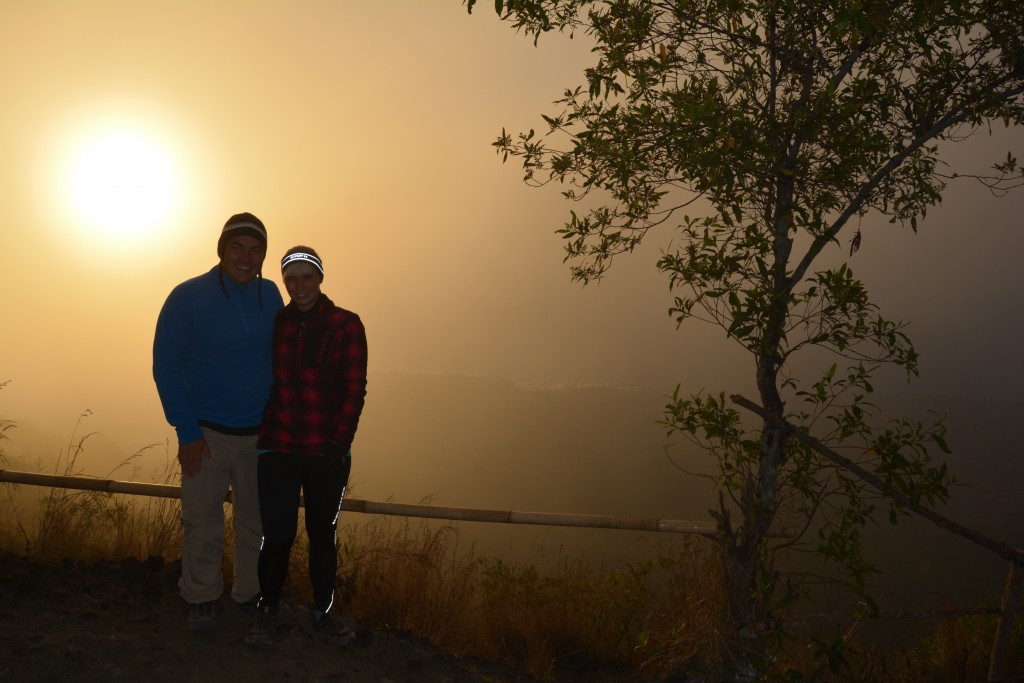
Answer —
311 417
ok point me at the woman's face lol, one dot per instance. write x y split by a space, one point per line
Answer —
303 284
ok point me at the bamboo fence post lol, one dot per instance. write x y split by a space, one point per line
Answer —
1004 628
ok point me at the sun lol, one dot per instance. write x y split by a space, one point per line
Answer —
122 183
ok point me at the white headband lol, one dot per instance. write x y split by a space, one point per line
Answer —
301 256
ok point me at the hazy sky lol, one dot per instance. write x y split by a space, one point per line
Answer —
364 129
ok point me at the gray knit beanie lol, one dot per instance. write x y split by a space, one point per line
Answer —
241 224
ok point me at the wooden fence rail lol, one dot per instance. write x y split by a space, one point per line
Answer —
385 508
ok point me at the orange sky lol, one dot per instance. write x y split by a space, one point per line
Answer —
364 130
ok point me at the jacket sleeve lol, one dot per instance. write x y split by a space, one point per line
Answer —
170 349
351 381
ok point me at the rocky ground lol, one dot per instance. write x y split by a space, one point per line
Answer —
124 621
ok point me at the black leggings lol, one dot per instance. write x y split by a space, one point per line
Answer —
322 479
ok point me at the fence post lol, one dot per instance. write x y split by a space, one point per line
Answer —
1011 596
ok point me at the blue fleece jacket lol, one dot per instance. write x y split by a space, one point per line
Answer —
212 353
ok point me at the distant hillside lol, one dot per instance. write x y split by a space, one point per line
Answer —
481 442
486 443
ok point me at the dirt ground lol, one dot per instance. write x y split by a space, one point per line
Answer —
112 621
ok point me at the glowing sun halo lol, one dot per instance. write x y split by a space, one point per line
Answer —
121 183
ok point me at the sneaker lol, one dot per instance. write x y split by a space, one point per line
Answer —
250 605
263 629
284 614
202 616
333 631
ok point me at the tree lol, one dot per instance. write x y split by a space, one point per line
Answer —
787 122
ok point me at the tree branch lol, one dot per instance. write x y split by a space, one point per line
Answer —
999 548
959 115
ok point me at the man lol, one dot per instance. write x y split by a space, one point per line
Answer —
212 366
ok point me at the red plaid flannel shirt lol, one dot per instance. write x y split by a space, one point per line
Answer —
319 380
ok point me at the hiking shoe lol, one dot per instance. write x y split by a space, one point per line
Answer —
250 605
263 629
282 614
202 616
334 631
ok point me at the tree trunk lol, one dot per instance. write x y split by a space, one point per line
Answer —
749 602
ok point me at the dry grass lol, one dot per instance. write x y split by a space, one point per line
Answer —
414 576
91 525
418 576
411 576
957 650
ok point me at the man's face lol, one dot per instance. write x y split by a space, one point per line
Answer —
243 258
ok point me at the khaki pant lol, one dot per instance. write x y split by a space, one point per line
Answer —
232 464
